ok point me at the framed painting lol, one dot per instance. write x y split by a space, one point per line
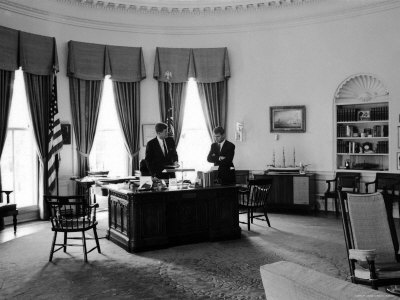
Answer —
148 132
287 118
398 136
398 160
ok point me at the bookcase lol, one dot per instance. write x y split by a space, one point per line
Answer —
362 125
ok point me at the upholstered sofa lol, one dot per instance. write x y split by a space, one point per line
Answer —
289 281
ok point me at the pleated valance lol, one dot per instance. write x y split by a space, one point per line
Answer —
126 63
205 64
93 62
36 54
173 60
211 64
9 49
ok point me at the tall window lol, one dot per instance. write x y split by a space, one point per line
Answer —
195 141
19 158
108 151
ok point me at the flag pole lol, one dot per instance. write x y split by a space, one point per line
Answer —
56 165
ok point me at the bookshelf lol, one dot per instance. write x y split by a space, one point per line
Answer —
362 125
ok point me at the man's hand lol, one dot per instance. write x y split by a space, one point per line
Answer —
222 157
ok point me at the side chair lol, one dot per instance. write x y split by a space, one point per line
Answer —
348 180
388 184
8 210
70 214
255 197
371 240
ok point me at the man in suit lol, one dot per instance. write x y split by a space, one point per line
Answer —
161 153
221 154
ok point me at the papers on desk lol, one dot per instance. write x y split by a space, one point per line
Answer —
145 182
206 179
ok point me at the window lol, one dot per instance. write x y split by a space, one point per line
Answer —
19 158
195 142
108 151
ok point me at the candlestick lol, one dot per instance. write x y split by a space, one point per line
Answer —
273 157
294 157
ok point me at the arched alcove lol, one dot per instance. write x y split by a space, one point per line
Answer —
361 108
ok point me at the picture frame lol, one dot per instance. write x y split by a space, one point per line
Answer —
287 118
398 160
66 133
398 136
148 133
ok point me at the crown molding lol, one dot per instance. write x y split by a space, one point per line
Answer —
185 7
157 22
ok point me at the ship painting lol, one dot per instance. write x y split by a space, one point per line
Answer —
288 118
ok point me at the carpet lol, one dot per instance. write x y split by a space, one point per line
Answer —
218 270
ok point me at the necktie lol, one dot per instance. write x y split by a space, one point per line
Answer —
165 148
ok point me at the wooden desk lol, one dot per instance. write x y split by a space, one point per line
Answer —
155 219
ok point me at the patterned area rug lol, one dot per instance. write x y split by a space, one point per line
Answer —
219 270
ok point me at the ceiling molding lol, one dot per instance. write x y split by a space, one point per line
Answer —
253 19
185 7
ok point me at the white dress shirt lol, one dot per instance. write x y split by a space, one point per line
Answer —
161 142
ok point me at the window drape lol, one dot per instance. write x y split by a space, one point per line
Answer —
88 64
127 102
212 73
210 68
85 106
6 90
172 69
127 70
8 65
38 94
39 61
178 92
213 98
37 56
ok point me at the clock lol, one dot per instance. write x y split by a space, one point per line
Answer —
367 147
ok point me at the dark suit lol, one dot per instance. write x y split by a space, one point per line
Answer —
157 161
226 171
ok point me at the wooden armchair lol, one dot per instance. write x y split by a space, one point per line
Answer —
7 210
348 180
388 184
72 214
371 240
253 198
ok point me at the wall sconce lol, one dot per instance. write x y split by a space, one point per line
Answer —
239 132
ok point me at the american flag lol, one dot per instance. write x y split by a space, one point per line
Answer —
170 112
55 137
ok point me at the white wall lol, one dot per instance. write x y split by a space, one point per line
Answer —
270 65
